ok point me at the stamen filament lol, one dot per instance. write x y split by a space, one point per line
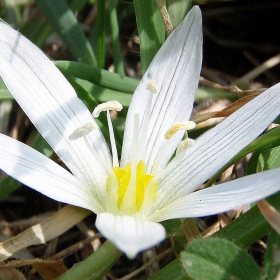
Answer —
113 141
187 125
107 106
153 88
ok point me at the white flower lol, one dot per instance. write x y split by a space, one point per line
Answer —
131 199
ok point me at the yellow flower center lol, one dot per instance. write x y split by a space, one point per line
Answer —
132 188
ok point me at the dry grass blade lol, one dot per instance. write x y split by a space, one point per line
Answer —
165 16
273 61
42 232
234 89
11 274
270 214
74 248
198 118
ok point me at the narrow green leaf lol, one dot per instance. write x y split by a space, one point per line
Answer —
102 94
12 13
151 30
216 258
272 256
269 159
177 10
98 76
36 31
212 93
95 266
78 5
66 25
119 68
101 4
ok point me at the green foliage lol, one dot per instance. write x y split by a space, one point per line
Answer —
150 30
216 258
67 27
272 256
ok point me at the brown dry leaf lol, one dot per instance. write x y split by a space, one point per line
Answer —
48 269
11 274
198 118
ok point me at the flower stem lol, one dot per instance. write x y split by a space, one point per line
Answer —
95 266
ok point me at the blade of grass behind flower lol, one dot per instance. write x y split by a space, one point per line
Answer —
36 31
101 4
98 76
118 63
177 10
151 30
102 94
12 13
66 25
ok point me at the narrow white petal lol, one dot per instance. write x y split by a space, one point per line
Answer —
217 146
130 235
52 105
175 70
223 197
43 175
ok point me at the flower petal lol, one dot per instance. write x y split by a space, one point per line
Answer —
217 146
129 234
43 175
175 69
223 197
52 105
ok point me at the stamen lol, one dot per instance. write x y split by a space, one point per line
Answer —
107 106
179 126
187 125
183 146
113 141
153 88
82 131
135 142
110 105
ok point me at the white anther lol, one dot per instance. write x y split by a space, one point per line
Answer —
183 146
179 126
110 105
82 131
153 87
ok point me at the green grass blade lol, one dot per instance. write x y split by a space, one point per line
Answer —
101 33
119 68
150 29
66 25
98 76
